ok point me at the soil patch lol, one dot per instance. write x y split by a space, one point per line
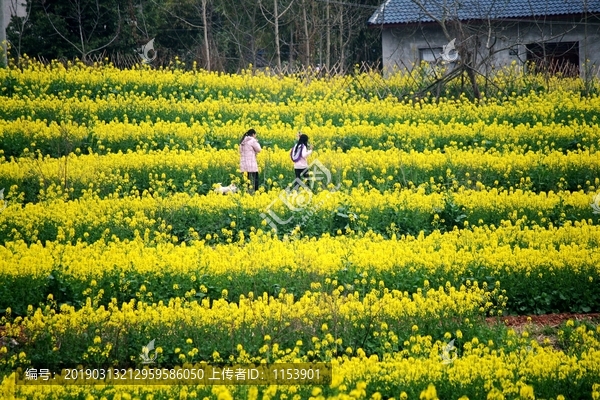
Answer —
550 320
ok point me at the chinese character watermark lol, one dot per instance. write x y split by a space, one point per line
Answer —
299 197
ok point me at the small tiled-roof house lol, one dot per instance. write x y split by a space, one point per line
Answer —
557 34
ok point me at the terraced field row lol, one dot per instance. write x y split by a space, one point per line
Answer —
423 224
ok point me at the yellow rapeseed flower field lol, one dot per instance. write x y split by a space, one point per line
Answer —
423 224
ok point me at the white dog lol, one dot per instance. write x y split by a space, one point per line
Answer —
226 189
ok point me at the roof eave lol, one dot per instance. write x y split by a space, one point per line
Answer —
531 18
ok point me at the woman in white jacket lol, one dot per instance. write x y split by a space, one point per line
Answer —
299 155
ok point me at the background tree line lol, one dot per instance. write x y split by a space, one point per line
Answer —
219 35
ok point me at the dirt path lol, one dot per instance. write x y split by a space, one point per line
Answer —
551 320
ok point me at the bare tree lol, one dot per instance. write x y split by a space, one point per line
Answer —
328 34
337 24
245 31
478 40
307 22
351 18
204 4
456 32
137 18
87 25
19 23
307 33
274 17
3 47
18 11
202 9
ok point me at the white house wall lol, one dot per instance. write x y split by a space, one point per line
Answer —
13 7
400 45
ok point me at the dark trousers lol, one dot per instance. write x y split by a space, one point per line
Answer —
301 174
253 178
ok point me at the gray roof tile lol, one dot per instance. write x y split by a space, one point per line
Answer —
411 11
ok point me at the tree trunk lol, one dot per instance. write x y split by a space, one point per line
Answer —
473 80
277 49
328 37
3 47
81 37
306 36
205 30
342 47
291 46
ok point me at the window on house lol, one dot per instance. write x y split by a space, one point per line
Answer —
554 58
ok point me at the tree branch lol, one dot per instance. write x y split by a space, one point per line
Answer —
57 31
